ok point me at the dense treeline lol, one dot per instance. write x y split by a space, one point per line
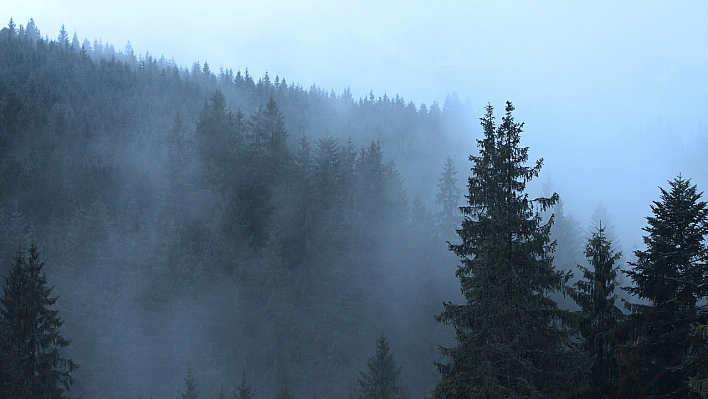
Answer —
216 220
210 234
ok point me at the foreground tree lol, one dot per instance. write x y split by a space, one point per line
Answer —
31 365
671 275
511 337
699 385
382 381
599 316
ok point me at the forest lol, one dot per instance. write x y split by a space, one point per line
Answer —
173 232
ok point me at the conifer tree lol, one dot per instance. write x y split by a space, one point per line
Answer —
217 133
244 390
569 238
671 275
31 365
191 386
448 197
512 339
269 137
599 316
601 215
382 381
284 392
63 37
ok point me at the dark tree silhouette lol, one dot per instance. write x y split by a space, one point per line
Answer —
31 363
599 316
512 339
671 275
382 380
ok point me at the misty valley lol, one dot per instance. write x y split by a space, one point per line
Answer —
173 232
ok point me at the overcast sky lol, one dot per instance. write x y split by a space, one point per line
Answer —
584 76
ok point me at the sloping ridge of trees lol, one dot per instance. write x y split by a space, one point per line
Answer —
217 221
209 234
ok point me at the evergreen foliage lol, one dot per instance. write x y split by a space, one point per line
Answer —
697 384
382 380
191 386
244 389
601 215
31 365
599 316
512 340
284 392
448 197
671 275
568 236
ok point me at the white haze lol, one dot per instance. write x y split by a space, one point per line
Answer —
614 94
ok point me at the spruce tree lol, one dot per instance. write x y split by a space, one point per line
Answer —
191 386
448 197
599 316
382 381
244 390
512 339
31 365
569 238
670 274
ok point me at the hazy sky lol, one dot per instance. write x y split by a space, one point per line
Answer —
586 77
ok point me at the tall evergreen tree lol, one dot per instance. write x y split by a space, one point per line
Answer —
218 135
269 137
569 237
511 337
601 215
599 316
671 275
244 390
191 386
382 381
31 365
448 197
63 37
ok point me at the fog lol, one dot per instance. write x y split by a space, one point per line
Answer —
594 83
613 97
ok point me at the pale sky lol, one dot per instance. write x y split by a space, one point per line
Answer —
584 76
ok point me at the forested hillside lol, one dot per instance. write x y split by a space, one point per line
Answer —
207 233
222 222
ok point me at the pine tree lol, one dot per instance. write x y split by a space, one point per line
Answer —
31 363
512 339
269 137
218 135
448 197
599 316
670 274
63 37
222 393
244 390
382 381
569 237
601 215
191 386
